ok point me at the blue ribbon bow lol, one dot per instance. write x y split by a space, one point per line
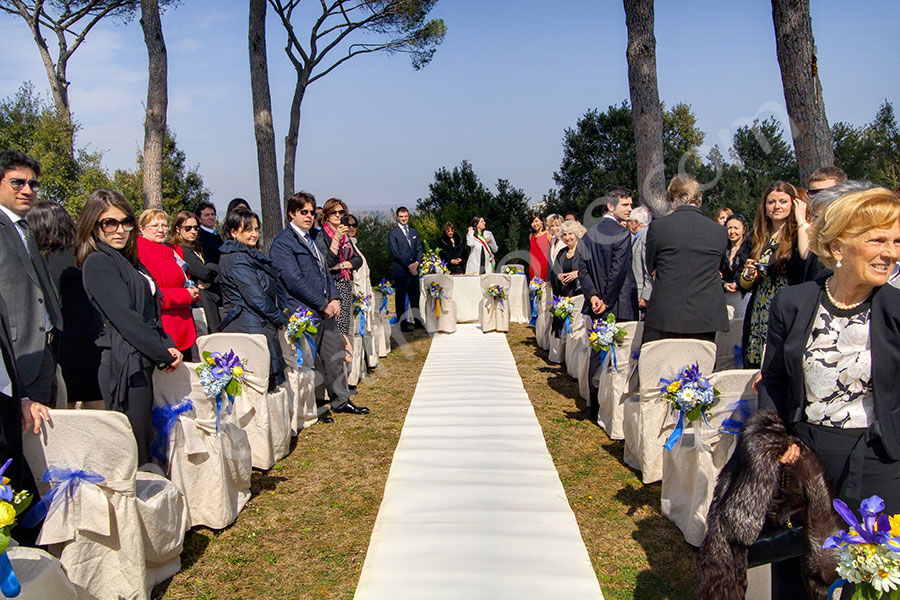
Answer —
568 324
603 353
163 419
534 308
362 324
9 585
732 426
67 481
839 582
383 308
738 356
219 407
312 345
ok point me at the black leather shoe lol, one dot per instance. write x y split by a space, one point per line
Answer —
352 409
419 324
406 327
326 418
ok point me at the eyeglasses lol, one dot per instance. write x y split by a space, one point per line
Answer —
157 226
353 225
110 225
190 227
338 211
306 211
17 184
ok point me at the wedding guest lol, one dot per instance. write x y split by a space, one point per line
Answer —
362 277
643 278
121 288
304 281
166 264
406 252
482 247
722 215
739 248
184 234
249 284
686 249
553 222
824 178
236 203
564 275
451 249
340 257
780 247
571 216
833 352
208 238
25 282
539 247
79 356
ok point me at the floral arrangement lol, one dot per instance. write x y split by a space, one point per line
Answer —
869 550
511 270
690 392
384 288
433 265
536 286
604 333
496 292
562 307
12 504
435 290
221 373
362 305
303 324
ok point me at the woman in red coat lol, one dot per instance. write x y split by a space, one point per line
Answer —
166 264
540 246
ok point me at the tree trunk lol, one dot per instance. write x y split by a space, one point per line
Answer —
157 103
263 126
290 140
795 46
645 107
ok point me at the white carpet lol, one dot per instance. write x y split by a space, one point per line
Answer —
473 507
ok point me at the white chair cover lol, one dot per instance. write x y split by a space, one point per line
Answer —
730 310
200 323
384 318
645 425
494 314
356 369
583 371
116 538
544 319
691 467
300 383
557 351
446 323
264 416
211 467
725 345
576 342
40 574
617 382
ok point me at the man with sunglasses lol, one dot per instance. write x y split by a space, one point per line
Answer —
25 282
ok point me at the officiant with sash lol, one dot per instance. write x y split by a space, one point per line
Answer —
482 247
406 252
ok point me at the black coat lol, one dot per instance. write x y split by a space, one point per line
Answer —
11 413
207 273
686 249
604 270
732 270
209 245
450 249
79 356
791 318
303 280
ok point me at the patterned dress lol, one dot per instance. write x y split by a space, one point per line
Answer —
767 285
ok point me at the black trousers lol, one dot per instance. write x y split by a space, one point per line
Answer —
140 404
406 290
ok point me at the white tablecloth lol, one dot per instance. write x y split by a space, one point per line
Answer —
467 294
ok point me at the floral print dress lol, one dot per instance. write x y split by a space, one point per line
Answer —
767 285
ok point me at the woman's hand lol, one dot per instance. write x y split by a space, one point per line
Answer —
341 230
730 287
455 261
33 413
194 291
791 456
175 363
800 212
750 273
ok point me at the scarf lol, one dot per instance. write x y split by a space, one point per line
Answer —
345 251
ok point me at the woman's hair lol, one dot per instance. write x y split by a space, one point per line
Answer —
552 220
572 227
330 205
851 215
475 221
684 189
238 219
150 215
447 226
725 210
763 228
235 203
97 203
52 226
534 216
175 233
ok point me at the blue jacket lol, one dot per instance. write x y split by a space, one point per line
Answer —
301 280
404 253
249 283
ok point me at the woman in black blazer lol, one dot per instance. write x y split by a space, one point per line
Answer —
451 249
184 232
133 342
249 283
739 249
833 350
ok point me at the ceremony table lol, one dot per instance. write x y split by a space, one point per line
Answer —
467 294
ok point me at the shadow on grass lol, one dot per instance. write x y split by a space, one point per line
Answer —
195 543
264 481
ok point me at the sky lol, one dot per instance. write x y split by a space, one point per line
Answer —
508 80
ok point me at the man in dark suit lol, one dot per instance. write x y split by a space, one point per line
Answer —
406 250
605 274
208 238
305 281
25 282
687 251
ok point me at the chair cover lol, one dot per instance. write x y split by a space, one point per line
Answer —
691 467
494 313
384 318
584 368
121 536
616 383
576 342
726 341
211 467
645 425
356 369
557 351
544 319
730 310
200 323
300 383
40 574
446 323
264 416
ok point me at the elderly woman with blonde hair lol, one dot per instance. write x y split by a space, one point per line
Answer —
564 272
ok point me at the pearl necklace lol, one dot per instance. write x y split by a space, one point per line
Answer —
837 304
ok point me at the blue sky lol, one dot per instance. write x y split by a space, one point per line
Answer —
509 78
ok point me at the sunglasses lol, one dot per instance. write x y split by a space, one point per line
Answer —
353 225
17 183
338 211
306 212
110 225
190 227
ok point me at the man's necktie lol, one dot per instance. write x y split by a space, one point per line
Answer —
406 233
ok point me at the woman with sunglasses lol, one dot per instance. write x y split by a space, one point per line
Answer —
184 233
739 249
340 256
133 342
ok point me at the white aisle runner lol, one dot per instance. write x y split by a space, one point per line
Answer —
473 507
